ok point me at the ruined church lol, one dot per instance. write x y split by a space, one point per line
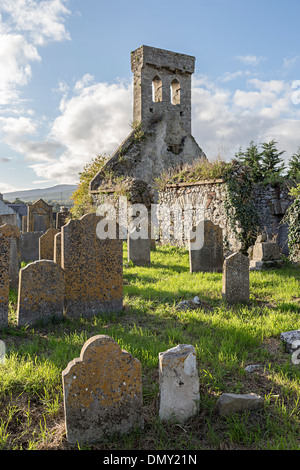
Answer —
161 132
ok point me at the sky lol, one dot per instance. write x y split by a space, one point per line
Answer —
66 81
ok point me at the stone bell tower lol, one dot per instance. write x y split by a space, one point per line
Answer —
162 86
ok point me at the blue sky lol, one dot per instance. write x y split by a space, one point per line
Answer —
66 83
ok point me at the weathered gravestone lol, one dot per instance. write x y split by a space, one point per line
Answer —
39 216
30 246
46 244
62 217
13 234
138 251
139 241
206 247
179 384
41 292
102 392
236 278
4 279
93 269
264 254
57 248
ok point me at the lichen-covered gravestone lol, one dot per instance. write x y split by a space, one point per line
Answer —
41 292
206 247
12 232
57 249
93 269
102 392
46 244
4 279
179 383
236 278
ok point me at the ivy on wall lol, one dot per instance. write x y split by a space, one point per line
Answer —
292 218
239 206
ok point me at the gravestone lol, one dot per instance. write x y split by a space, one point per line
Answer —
206 247
39 216
229 403
30 246
41 292
179 384
265 254
138 251
4 279
236 278
102 392
93 269
57 248
61 217
46 244
12 232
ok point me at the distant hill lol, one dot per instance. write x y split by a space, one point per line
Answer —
59 194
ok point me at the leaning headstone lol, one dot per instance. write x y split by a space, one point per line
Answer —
236 403
4 279
179 384
41 293
206 247
93 269
102 392
12 232
236 278
57 248
46 244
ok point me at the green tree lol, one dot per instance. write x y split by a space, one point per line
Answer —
272 164
294 166
252 158
83 201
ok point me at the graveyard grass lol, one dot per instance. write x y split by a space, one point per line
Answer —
226 339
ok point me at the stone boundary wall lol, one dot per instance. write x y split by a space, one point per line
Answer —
271 203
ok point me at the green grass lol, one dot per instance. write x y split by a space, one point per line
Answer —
226 339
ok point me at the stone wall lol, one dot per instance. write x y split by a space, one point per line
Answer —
270 203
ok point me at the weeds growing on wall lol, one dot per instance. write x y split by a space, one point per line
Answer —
199 170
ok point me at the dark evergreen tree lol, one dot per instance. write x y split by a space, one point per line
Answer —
252 158
294 166
272 164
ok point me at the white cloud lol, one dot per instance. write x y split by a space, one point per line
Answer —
7 188
250 59
12 128
229 76
93 121
226 120
290 62
26 25
42 21
16 56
